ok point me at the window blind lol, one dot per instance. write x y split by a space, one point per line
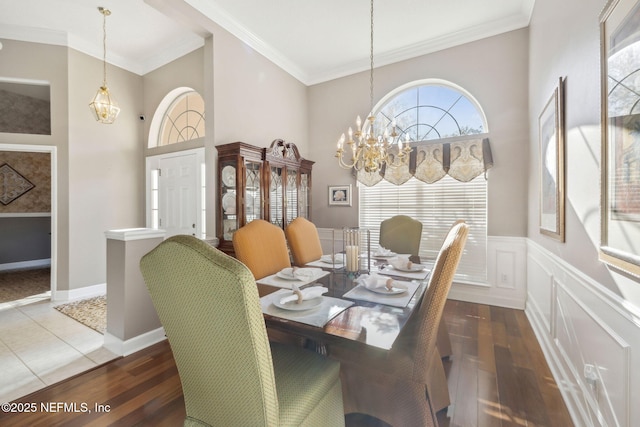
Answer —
437 206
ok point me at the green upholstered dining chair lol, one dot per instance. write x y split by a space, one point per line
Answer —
401 234
262 247
407 385
304 241
231 375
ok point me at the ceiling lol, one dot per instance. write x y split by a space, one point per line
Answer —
313 40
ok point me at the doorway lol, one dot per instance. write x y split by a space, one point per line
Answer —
175 192
52 151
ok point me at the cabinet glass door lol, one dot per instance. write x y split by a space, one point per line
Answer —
292 195
253 193
229 199
276 196
303 194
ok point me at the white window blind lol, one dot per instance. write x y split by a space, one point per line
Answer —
437 206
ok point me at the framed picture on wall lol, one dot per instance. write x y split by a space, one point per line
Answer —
551 134
340 195
620 163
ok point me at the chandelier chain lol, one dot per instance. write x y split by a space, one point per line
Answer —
371 65
104 48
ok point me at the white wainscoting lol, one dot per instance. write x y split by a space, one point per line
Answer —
506 275
588 335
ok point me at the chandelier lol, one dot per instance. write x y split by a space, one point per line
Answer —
370 152
103 106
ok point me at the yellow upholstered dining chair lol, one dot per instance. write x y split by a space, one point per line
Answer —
304 242
231 375
407 385
262 247
401 234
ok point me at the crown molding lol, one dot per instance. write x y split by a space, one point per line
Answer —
423 48
141 67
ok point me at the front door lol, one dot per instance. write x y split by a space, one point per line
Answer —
178 197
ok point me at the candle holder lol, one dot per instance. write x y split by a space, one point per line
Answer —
357 246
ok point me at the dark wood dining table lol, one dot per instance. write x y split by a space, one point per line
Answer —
365 325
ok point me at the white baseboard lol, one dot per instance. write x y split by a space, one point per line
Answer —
127 347
36 263
80 293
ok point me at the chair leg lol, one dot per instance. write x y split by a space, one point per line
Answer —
396 402
443 342
437 387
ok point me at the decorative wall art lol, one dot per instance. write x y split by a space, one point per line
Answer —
620 164
552 164
340 195
12 184
35 168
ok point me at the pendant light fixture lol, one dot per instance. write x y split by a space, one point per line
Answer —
103 106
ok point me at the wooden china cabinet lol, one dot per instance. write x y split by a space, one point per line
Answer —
272 183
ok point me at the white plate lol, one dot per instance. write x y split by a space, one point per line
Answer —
414 268
229 203
398 288
389 255
286 276
304 305
337 259
229 176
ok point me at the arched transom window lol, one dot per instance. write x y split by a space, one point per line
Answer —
432 111
184 119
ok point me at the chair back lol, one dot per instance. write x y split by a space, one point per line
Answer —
209 307
262 247
304 241
420 336
401 234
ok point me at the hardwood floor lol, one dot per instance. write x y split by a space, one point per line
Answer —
497 377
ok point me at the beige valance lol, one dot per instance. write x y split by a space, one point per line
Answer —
463 160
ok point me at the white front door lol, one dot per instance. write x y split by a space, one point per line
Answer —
178 197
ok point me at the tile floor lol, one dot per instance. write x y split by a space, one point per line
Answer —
40 346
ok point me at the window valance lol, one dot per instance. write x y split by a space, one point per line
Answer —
462 159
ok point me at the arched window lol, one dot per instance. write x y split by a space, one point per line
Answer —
445 181
180 117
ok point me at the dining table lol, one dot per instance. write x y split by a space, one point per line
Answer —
350 314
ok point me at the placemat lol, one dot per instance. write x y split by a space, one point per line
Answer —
397 300
276 281
318 316
417 275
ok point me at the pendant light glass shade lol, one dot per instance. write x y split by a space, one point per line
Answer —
103 106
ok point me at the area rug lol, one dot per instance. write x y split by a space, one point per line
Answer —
90 312
19 284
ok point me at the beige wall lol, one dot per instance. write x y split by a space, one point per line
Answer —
106 179
493 70
24 61
99 167
564 41
255 101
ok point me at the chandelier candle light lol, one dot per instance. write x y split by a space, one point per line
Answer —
368 151
103 106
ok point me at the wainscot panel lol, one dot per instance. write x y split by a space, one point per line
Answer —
588 335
